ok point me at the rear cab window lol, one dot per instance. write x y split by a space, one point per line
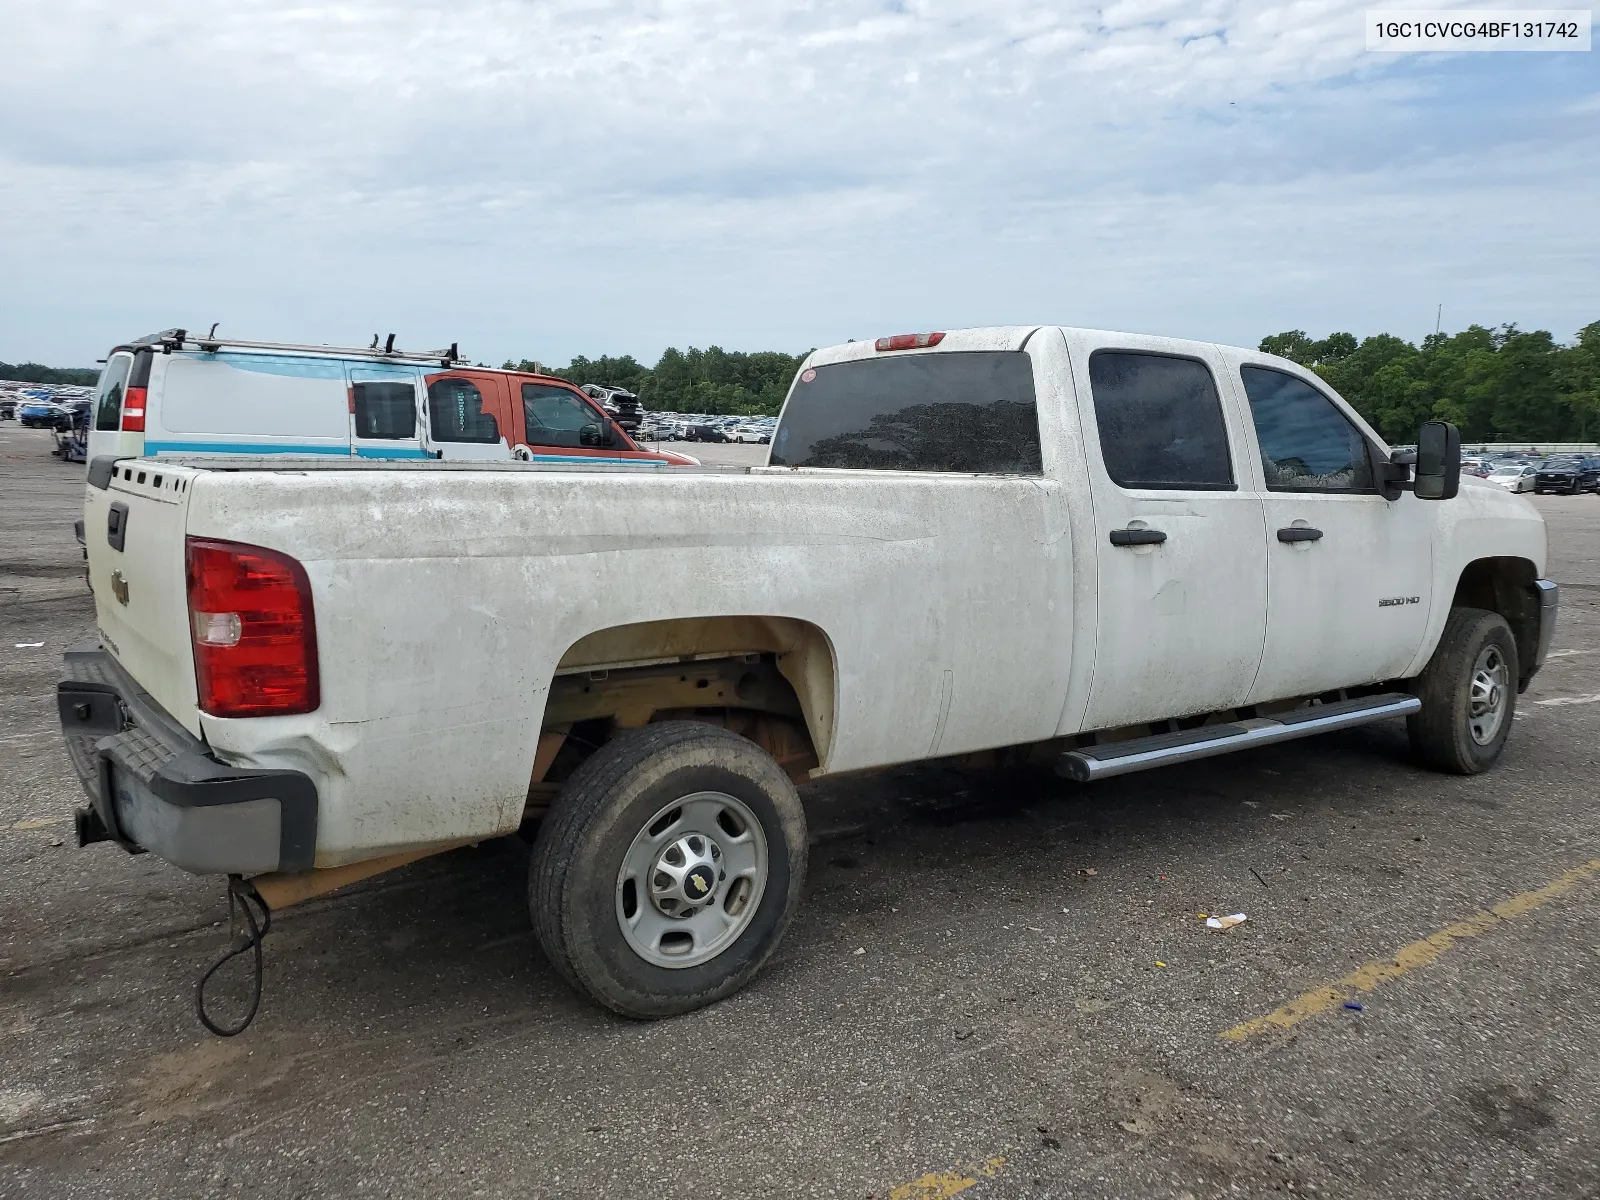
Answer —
1160 422
963 412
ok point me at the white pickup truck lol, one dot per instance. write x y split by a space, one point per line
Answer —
1097 551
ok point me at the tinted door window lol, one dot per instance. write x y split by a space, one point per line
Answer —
1160 421
385 410
1307 444
972 413
557 417
108 404
455 413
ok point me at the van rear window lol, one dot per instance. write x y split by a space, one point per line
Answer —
968 412
108 403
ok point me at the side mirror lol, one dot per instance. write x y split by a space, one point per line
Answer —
1438 461
590 435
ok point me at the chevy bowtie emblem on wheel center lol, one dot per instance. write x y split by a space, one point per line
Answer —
698 883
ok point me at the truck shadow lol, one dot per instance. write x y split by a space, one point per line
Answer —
448 939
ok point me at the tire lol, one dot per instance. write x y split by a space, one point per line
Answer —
588 849
1448 735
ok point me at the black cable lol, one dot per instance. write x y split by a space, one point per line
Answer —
241 892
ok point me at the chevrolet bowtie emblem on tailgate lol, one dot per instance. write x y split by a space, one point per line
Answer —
119 587
1390 602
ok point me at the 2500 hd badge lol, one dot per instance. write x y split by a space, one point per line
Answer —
1394 601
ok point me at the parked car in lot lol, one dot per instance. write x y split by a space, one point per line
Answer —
705 433
621 404
1096 551
1570 473
177 394
1514 477
42 414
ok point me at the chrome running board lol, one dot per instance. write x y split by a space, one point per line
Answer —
1089 763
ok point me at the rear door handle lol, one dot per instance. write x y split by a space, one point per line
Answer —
1299 533
1138 537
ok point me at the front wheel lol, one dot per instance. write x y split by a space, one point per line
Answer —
1468 692
665 873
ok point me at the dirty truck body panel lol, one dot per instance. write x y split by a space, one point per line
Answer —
937 609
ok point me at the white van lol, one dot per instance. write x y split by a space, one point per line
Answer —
172 394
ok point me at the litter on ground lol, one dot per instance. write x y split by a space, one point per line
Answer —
1226 922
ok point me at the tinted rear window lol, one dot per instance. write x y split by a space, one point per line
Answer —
108 403
964 412
385 410
1160 421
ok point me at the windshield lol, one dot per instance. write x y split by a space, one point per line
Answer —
1508 470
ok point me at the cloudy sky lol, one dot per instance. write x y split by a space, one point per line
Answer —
545 178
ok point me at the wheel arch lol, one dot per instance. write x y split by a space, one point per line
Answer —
802 653
1505 584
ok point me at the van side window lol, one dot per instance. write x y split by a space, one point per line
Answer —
557 417
1307 444
455 412
1160 422
113 381
968 412
385 410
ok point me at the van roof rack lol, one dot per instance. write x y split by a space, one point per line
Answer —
169 340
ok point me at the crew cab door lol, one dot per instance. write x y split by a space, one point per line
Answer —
467 416
1348 572
1179 544
384 402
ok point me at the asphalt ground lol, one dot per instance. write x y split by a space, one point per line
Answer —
998 985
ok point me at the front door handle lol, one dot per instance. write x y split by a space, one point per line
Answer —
1137 537
1299 533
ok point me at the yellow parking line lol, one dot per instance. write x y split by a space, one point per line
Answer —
1408 958
941 1185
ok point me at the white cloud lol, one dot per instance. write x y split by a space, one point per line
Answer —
613 175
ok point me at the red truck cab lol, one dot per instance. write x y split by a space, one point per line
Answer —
481 412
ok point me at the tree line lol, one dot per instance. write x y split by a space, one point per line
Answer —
30 372
1496 385
1503 384
712 380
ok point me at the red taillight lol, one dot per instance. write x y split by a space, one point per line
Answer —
909 341
253 629
133 410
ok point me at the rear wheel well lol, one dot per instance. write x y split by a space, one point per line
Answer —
1506 586
769 679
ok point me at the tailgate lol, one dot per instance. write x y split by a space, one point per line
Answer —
140 598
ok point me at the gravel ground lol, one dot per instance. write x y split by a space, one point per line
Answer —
998 985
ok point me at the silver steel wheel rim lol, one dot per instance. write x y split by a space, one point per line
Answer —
692 879
1491 694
